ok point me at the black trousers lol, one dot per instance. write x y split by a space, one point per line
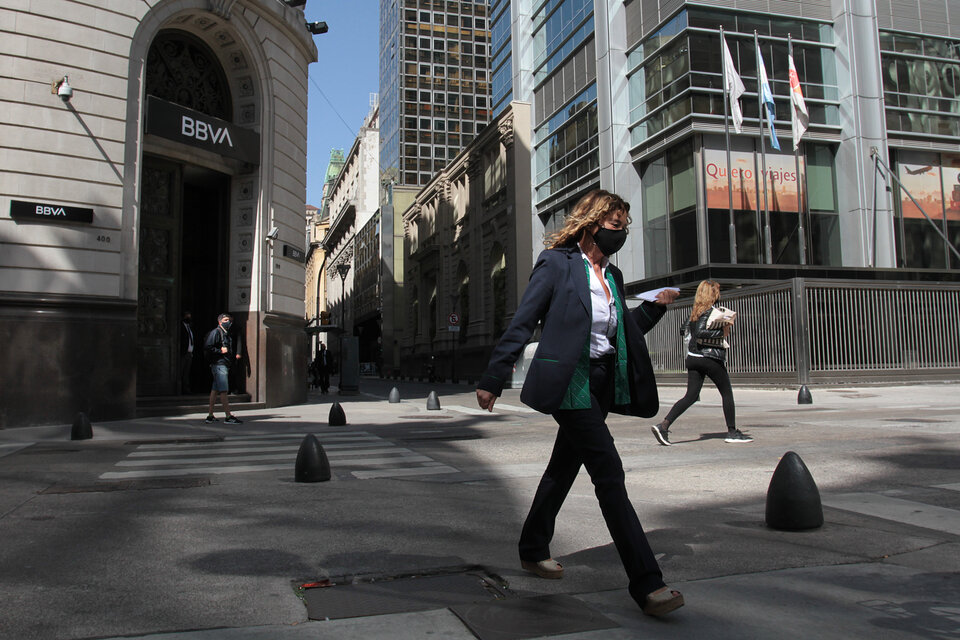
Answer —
584 439
697 369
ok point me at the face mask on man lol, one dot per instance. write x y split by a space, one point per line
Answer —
226 324
609 241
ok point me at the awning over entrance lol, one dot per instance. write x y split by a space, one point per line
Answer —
314 327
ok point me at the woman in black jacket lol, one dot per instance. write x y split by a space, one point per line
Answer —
591 359
706 335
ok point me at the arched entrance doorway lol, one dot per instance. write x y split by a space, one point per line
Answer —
184 222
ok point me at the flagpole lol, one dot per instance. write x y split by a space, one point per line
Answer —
726 135
796 160
767 246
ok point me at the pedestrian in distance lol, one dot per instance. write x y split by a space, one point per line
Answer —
221 355
323 368
706 336
591 359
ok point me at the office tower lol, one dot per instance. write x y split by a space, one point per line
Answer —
434 84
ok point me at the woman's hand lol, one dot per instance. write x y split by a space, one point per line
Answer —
667 296
486 400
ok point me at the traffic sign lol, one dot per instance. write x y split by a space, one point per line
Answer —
453 319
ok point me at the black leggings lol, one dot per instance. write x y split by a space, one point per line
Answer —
697 369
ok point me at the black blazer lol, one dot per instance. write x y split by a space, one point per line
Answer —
558 295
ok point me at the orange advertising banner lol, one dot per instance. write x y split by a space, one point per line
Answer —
950 173
781 180
924 184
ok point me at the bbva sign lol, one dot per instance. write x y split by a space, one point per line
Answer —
42 212
174 122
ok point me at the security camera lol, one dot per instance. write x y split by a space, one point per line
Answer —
316 28
274 234
63 89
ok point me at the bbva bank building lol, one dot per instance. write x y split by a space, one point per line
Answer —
152 162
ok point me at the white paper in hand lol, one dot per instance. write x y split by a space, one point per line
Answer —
651 296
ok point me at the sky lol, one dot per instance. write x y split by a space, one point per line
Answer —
341 81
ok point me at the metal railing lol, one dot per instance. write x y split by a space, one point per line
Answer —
804 330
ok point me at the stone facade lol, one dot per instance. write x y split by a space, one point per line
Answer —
352 200
469 247
180 218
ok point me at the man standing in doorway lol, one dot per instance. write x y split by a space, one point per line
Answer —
218 347
186 352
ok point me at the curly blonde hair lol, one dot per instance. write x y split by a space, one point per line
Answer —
592 208
708 292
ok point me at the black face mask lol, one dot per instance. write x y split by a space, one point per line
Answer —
609 241
226 324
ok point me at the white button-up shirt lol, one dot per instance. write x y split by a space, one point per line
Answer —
603 327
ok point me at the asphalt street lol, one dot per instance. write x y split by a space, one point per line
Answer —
175 529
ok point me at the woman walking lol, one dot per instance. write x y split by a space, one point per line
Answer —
706 335
591 359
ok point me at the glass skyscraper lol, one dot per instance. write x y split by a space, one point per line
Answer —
434 84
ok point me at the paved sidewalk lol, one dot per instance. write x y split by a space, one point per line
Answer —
886 563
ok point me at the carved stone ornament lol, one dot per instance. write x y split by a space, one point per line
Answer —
222 7
181 70
474 165
506 131
445 189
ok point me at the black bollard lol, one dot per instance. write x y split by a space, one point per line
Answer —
804 396
337 417
394 396
312 463
82 429
433 402
793 500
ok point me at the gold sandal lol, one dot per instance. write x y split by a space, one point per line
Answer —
662 601
549 568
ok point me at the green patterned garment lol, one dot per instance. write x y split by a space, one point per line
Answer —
578 391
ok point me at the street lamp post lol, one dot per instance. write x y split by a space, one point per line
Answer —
342 270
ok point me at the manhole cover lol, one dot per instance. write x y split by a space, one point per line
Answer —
530 618
351 598
131 485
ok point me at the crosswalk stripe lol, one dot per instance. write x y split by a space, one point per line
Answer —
160 473
249 449
362 454
898 510
255 458
409 471
467 410
950 487
278 440
510 407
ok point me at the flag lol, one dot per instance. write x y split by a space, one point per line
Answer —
766 96
734 87
800 119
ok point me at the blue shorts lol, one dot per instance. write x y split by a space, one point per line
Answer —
220 372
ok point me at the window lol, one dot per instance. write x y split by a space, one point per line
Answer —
678 72
921 84
823 235
933 179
